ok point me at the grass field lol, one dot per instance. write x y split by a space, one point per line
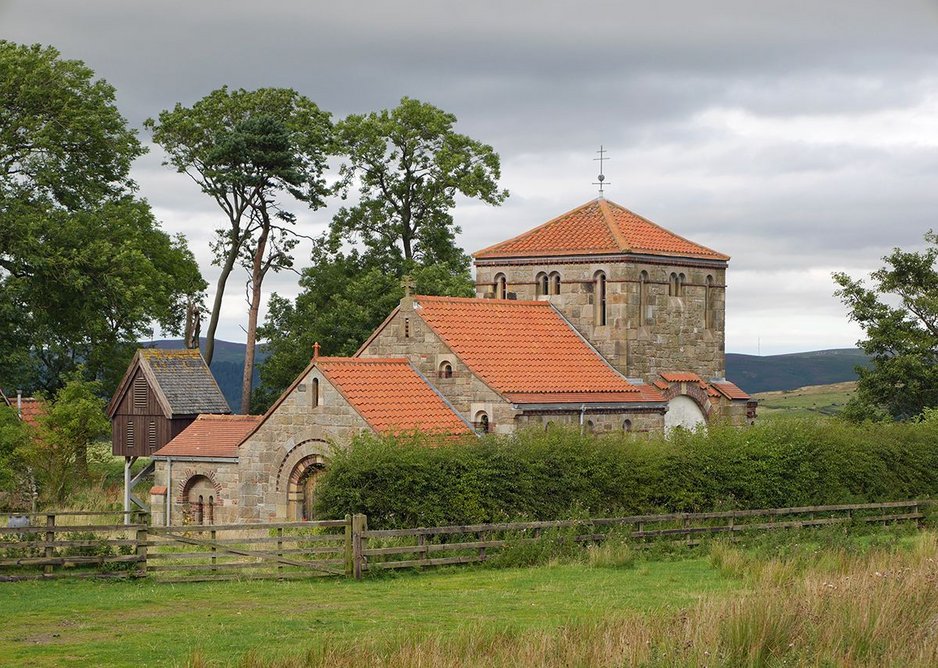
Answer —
786 599
810 400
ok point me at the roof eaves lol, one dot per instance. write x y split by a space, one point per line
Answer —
493 247
718 254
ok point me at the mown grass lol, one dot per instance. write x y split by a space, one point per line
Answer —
805 401
92 623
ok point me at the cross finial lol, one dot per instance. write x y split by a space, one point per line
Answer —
602 179
408 284
316 351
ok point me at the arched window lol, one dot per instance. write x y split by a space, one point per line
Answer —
482 422
555 283
600 299
672 285
681 279
200 511
708 303
627 426
501 287
590 427
541 287
315 393
642 298
211 510
446 370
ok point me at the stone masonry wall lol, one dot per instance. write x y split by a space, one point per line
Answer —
296 433
407 335
598 422
222 479
670 336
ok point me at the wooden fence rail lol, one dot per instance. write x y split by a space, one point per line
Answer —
53 545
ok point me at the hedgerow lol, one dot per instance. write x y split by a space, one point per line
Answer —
411 480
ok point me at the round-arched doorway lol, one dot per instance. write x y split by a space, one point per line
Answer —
683 412
199 498
301 491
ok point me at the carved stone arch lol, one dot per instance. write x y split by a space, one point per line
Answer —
688 406
291 480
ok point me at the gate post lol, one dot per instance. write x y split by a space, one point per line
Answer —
359 526
348 547
142 538
50 537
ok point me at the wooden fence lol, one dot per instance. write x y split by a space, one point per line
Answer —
449 545
52 545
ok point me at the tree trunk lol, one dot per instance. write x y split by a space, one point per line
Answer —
216 306
254 305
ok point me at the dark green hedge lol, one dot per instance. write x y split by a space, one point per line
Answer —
403 481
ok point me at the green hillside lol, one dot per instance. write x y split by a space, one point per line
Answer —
811 400
794 370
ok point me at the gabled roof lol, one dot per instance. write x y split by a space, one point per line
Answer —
526 351
181 379
714 388
391 395
598 227
210 436
730 390
30 408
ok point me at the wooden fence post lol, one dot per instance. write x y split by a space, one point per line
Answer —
359 526
50 537
214 559
142 539
280 548
349 561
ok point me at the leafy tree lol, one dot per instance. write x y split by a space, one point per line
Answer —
410 166
244 148
84 268
899 315
14 439
73 421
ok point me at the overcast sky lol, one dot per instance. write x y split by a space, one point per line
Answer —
799 137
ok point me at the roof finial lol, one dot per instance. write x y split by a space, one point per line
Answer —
408 284
316 351
602 157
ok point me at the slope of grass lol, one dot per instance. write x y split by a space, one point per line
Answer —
809 400
88 623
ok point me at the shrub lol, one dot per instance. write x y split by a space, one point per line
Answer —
411 480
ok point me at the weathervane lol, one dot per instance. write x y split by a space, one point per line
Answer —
602 179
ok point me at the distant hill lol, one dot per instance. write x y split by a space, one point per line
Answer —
227 366
773 373
751 372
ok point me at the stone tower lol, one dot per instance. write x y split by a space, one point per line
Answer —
649 300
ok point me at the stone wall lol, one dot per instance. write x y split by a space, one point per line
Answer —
671 335
218 480
298 434
407 335
598 421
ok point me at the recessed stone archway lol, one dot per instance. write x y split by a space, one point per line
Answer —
296 478
683 412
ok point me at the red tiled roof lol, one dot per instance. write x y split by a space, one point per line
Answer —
523 348
390 395
683 377
599 226
211 436
730 390
32 410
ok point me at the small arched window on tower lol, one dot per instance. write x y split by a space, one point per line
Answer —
555 283
541 287
482 422
708 303
681 279
446 370
501 286
315 393
672 285
599 295
642 298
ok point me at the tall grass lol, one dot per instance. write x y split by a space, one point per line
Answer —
851 608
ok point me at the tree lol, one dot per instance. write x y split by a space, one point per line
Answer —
899 315
410 166
14 439
243 148
84 268
73 421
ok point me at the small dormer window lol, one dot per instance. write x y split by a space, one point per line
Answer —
446 370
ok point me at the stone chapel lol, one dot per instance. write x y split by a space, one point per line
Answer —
598 318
